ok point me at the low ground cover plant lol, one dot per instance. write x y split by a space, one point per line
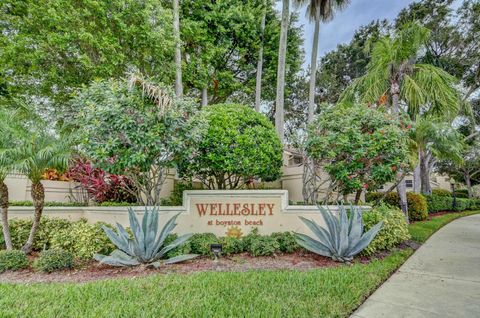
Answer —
53 260
13 260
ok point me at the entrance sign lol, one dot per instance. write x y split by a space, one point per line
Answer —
222 212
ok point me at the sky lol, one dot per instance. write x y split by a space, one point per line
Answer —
341 28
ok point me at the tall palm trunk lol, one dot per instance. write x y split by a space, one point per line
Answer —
282 52
425 173
4 206
313 69
401 187
258 86
178 52
38 198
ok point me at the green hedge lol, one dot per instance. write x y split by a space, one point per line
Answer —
417 204
47 203
438 203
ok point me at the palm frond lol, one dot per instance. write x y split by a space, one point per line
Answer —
438 90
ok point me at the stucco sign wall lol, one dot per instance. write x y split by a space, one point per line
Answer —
232 213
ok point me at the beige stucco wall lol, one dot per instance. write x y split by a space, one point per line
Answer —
60 191
271 212
63 191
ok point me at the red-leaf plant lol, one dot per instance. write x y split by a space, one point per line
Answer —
100 185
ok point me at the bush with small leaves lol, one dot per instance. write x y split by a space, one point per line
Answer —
83 240
287 241
200 243
182 249
441 192
394 230
232 245
263 245
12 260
53 260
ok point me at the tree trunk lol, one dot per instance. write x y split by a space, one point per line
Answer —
38 198
4 206
313 69
358 195
425 173
178 51
416 179
468 183
204 97
402 194
258 86
401 187
282 52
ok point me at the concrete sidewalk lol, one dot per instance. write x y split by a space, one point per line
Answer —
442 278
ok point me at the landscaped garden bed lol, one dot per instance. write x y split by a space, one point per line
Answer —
299 284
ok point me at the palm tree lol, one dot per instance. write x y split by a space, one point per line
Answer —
414 88
6 119
282 52
178 51
35 151
318 11
434 139
258 84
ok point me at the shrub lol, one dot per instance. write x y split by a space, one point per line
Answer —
441 192
83 240
236 146
232 245
287 241
110 203
393 232
263 245
101 186
200 243
47 203
179 250
12 260
461 193
417 204
53 260
20 229
437 203
359 146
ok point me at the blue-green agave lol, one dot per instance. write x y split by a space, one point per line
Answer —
147 245
342 239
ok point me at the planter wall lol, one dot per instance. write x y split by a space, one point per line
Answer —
216 211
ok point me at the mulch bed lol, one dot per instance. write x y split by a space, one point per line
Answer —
93 271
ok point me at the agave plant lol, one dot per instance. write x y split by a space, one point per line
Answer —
342 239
146 246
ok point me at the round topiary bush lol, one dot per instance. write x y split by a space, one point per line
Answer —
12 260
394 230
53 260
237 144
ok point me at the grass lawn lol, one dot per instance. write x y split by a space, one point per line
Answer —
330 292
421 231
